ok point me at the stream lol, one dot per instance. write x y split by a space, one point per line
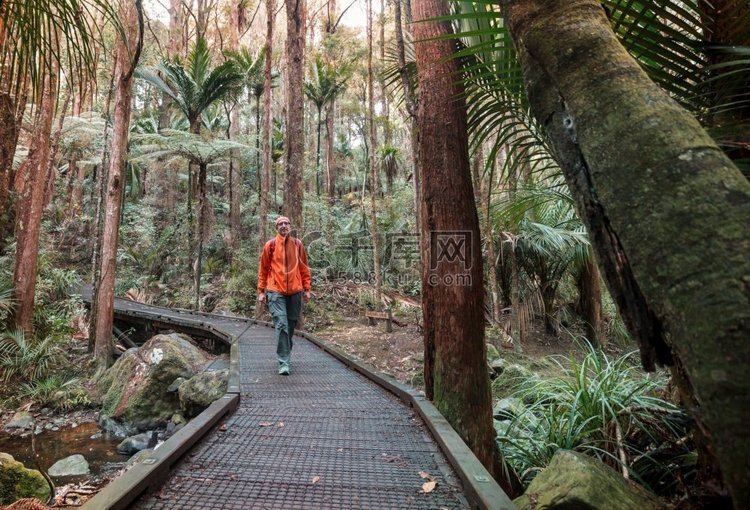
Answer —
51 446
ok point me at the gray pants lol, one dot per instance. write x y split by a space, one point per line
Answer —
285 312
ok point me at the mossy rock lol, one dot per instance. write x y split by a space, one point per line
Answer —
509 380
198 392
17 482
492 353
576 480
138 395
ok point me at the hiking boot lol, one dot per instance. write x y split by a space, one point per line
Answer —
284 370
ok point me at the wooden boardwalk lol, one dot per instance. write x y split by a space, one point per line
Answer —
324 437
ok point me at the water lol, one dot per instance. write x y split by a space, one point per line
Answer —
100 453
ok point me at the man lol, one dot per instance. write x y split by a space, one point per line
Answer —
283 282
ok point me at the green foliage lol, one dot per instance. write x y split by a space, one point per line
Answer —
56 392
40 32
194 84
599 405
25 359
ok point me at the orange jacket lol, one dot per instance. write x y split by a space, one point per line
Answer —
288 272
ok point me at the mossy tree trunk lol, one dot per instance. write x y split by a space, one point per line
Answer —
667 212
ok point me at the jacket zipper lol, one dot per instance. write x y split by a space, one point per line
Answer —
286 266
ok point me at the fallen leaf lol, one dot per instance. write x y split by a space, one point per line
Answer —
340 450
223 427
281 424
265 424
428 487
425 474
315 479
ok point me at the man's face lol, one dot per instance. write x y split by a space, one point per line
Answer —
283 228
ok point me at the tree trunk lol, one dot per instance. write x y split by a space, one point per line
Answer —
590 301
294 143
118 153
202 218
516 322
234 135
7 151
330 113
374 177
31 181
267 132
672 243
317 156
456 374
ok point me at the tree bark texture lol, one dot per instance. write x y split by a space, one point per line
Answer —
666 210
234 134
113 197
374 177
30 186
7 151
267 128
294 143
452 288
590 301
330 108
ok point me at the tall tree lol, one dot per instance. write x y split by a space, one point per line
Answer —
267 130
666 210
294 143
330 29
374 177
327 81
453 292
29 186
127 54
233 171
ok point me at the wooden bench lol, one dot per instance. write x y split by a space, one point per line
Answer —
387 315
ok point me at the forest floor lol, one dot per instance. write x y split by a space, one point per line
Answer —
401 352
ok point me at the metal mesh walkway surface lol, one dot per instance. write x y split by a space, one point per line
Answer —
323 437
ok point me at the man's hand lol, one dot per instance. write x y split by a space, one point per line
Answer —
306 295
262 297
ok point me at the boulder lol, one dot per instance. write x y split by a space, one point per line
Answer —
497 366
136 386
201 390
575 480
510 379
492 352
20 420
134 444
508 408
17 482
70 466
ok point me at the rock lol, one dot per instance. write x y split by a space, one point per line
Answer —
134 444
140 456
17 482
575 480
70 466
492 352
115 429
136 386
508 408
20 420
498 365
200 391
510 379
176 384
